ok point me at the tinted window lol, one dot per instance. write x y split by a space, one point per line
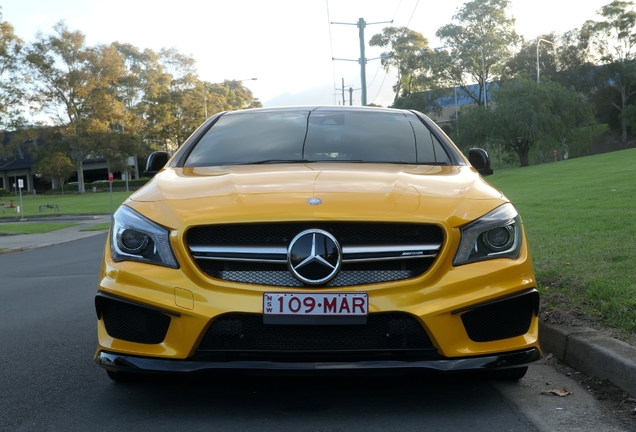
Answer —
429 149
365 136
250 137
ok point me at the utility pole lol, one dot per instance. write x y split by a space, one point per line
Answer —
363 60
343 96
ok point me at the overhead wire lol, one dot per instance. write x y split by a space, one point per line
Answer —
407 24
380 64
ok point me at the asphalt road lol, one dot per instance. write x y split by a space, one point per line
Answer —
48 381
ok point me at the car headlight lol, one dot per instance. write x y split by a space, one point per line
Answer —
136 238
495 235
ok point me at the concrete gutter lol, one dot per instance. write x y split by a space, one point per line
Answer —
591 353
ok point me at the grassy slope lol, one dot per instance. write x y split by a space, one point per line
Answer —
579 215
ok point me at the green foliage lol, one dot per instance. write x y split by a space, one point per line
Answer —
629 116
528 114
4 192
55 166
614 38
12 78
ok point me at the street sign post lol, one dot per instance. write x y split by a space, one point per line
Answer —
20 186
110 182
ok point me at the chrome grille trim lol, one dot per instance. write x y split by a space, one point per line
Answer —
279 254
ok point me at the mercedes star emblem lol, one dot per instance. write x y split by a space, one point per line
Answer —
314 256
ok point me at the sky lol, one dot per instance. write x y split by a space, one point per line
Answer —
288 45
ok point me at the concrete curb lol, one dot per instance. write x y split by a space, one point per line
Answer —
591 353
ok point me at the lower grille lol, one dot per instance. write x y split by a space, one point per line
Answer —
134 323
503 319
273 274
389 333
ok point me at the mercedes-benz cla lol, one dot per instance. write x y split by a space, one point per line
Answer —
317 238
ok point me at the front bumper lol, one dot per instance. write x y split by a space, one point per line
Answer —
136 364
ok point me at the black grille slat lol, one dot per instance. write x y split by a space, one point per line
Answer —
134 323
348 234
241 332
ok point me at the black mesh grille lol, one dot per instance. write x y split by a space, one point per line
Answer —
279 275
347 233
501 320
134 323
247 333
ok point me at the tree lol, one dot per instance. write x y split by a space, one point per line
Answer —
614 39
404 48
526 114
55 166
483 23
12 93
77 85
11 78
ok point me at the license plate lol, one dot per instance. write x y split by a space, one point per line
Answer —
316 307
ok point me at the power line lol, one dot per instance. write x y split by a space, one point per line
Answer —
413 13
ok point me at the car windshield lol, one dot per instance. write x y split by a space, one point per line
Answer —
317 136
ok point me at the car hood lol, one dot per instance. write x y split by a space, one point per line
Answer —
348 191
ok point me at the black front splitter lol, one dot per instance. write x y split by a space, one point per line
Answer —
135 364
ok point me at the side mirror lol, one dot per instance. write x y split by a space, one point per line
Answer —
156 161
480 160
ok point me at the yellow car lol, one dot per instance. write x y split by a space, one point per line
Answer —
317 238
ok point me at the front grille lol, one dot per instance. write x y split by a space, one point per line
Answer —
268 265
241 332
503 319
134 323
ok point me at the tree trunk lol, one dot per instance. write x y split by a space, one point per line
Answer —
522 149
623 107
80 176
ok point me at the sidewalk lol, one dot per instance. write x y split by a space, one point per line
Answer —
584 349
21 242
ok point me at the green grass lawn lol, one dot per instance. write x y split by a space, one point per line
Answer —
579 215
33 228
88 203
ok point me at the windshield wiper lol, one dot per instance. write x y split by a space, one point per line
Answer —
271 161
339 160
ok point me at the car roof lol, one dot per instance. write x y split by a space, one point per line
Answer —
313 108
